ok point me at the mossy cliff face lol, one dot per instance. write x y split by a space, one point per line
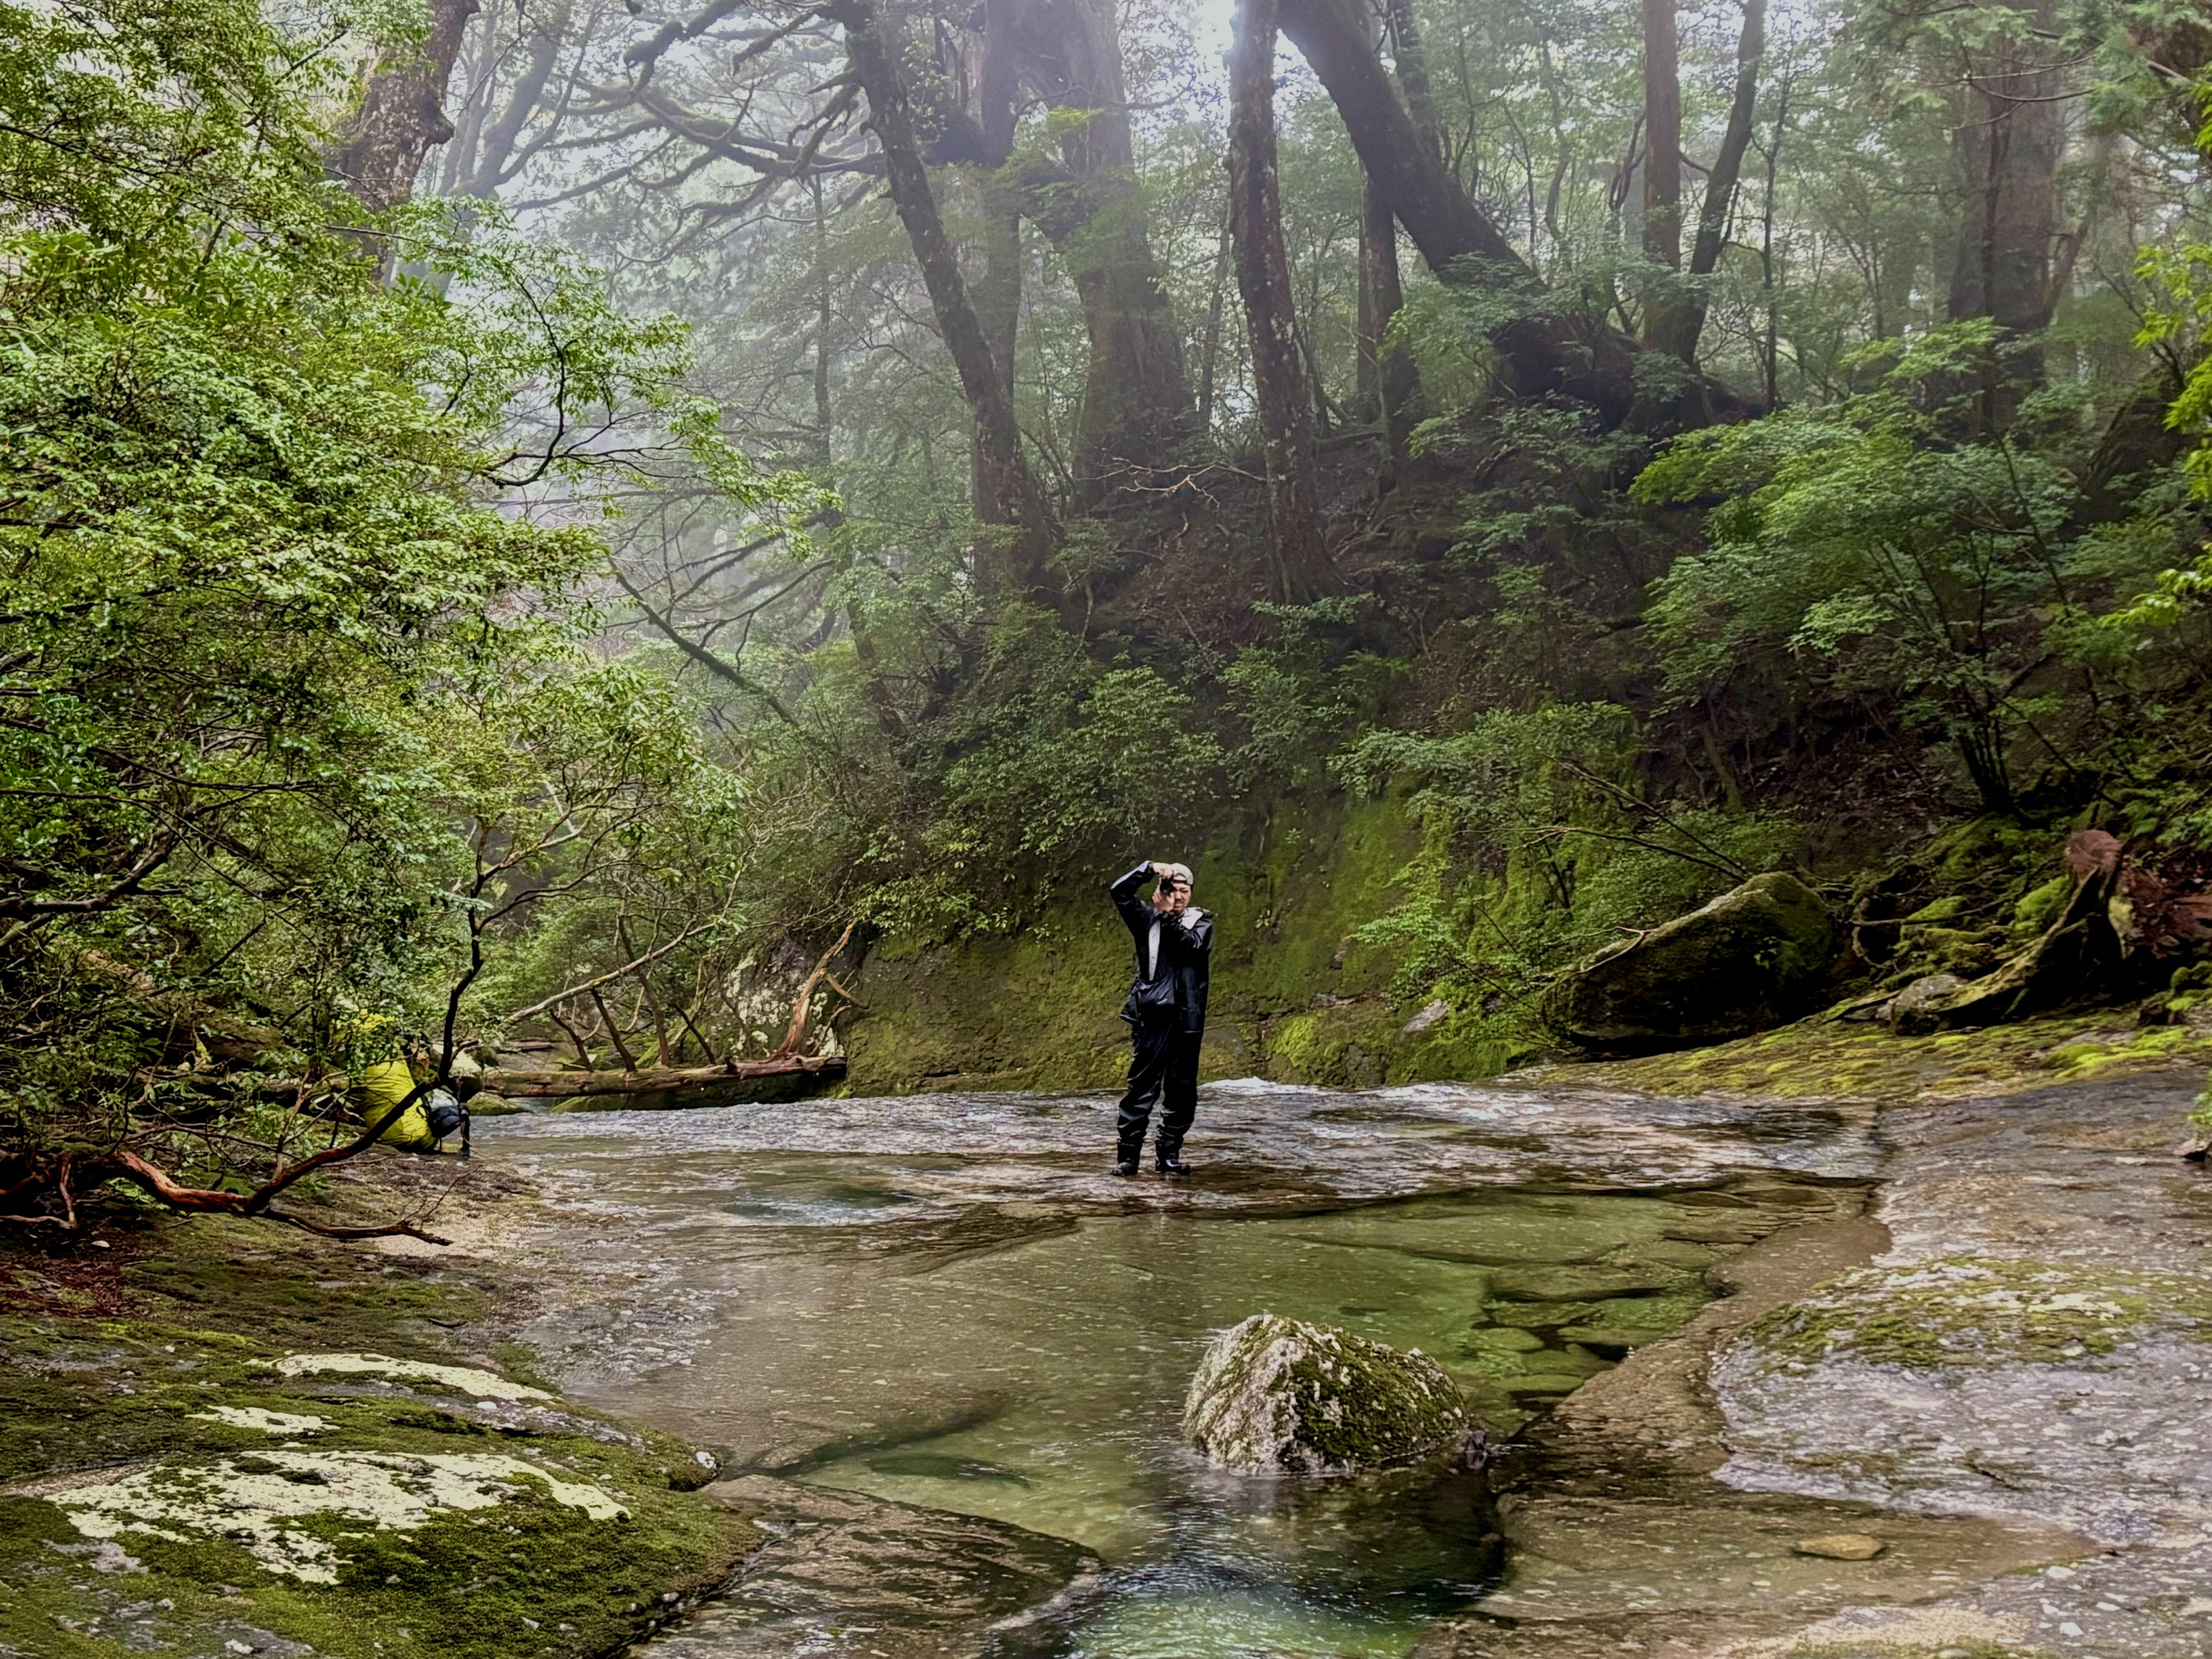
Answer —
252 1444
1297 997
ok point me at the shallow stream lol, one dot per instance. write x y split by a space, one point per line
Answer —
946 1301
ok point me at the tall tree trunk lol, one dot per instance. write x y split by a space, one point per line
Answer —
1580 359
1137 403
1210 347
1662 170
999 294
1386 372
1688 322
824 317
489 167
2009 148
1412 65
401 116
1012 561
1263 277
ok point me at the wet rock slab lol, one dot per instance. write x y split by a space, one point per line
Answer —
851 1574
1580 1558
2007 1391
2033 1349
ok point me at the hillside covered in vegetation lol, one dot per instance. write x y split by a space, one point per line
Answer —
524 526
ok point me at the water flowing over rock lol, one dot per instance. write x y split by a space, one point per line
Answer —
1275 1393
1750 959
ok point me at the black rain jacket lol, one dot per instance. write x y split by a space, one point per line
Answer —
1186 956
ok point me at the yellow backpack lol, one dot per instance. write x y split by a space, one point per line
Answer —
383 1086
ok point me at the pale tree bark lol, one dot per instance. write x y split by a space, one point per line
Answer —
1662 166
492 160
1013 560
1300 559
999 294
1210 342
402 116
1386 372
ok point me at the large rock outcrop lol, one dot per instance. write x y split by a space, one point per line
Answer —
1752 958
1279 1394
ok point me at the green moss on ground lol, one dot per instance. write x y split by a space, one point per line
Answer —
191 1320
1824 1057
1966 1311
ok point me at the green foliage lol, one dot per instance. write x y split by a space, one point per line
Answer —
1854 552
1300 695
1053 765
1538 849
299 719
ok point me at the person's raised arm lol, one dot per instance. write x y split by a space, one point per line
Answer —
1125 886
1123 892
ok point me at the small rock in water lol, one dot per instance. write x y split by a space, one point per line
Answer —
1276 1393
1841 1547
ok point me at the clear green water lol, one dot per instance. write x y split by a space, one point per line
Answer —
1010 1334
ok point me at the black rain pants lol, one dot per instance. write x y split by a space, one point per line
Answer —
1162 1061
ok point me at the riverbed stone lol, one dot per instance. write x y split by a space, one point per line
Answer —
947 1584
1749 960
1593 1283
1543 1316
1276 1393
1918 1010
1841 1547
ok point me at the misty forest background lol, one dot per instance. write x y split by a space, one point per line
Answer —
525 521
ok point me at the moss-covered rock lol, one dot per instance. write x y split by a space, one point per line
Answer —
1749 960
1276 1393
255 1442
1966 1311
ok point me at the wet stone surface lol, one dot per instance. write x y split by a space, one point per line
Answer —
847 1573
949 1303
2033 1348
944 1310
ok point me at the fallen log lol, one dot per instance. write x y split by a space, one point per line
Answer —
515 1083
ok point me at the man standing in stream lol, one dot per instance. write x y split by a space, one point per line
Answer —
1166 1011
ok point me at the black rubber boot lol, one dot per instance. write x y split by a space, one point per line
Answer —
1172 1166
1125 1167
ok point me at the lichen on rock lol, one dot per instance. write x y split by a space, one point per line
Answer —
1280 1395
275 1504
482 1385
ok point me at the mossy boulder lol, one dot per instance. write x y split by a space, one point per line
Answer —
166 1487
217 1438
1752 958
1275 1393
